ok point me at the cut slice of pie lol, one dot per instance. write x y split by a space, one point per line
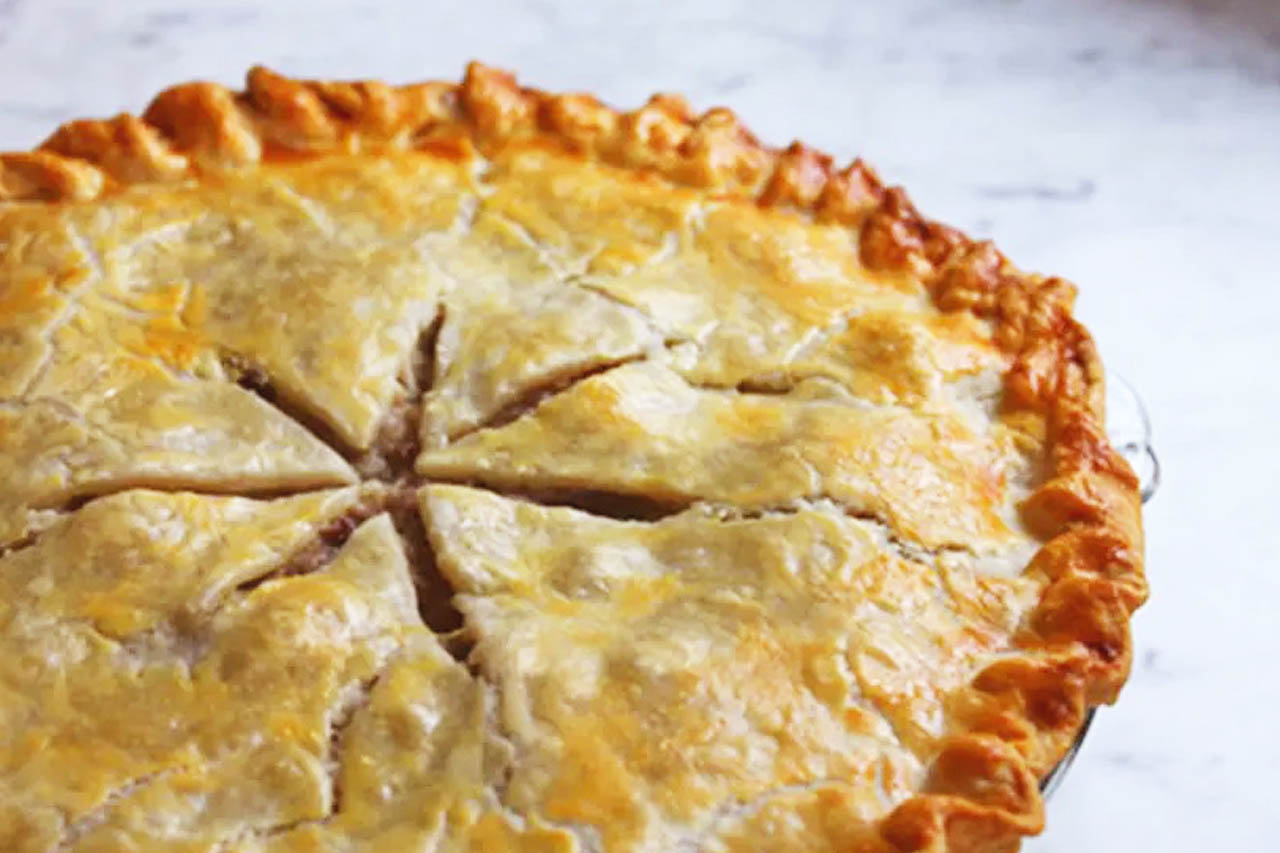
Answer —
465 467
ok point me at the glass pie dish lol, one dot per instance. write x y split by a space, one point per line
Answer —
1129 428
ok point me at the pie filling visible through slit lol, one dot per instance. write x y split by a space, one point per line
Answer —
466 467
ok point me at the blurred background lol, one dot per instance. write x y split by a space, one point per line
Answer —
1132 146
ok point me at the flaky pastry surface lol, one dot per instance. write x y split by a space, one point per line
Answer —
466 467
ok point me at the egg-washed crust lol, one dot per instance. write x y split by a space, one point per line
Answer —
1021 714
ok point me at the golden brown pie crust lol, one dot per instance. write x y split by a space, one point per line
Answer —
1019 715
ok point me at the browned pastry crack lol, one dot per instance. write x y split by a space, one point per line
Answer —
255 380
354 701
616 505
76 829
85 278
339 723
435 596
26 541
52 512
320 551
390 456
539 391
395 447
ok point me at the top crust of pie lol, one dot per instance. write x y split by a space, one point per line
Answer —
851 555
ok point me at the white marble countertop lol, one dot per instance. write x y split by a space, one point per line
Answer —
1130 145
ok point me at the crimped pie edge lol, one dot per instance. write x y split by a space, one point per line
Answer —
1022 712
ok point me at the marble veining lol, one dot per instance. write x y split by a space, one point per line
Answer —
1130 145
